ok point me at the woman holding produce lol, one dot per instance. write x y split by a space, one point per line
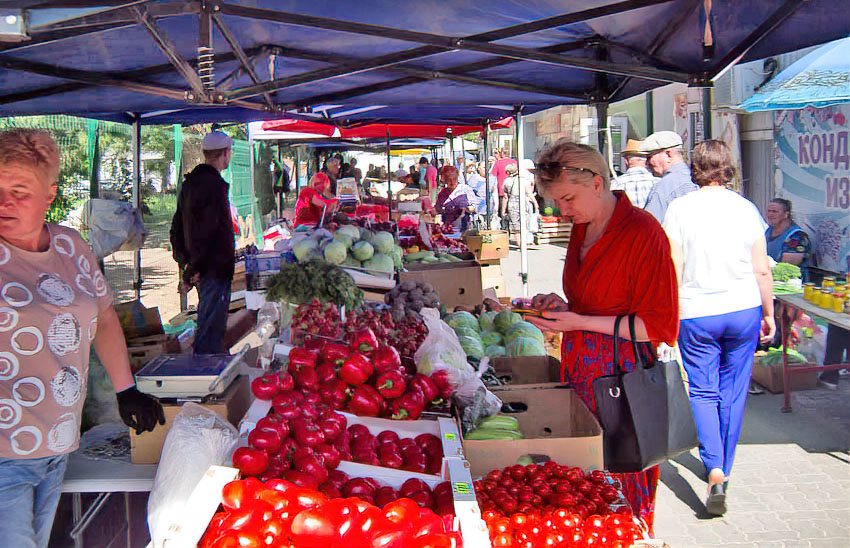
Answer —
725 301
456 200
55 306
314 200
618 262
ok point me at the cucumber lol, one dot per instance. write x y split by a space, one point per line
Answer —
419 255
500 421
494 434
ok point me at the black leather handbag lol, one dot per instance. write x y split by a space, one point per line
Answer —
645 413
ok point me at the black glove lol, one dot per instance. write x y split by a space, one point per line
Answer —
139 411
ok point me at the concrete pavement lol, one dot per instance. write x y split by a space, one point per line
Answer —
790 487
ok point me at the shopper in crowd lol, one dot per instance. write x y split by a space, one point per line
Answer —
499 171
202 238
665 157
455 201
515 178
314 201
57 307
401 171
637 181
332 168
414 175
429 173
786 241
725 305
618 263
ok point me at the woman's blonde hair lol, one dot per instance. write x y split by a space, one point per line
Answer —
569 154
33 149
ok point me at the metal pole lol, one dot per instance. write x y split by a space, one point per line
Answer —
137 199
650 114
389 176
451 161
297 170
601 126
706 113
463 156
486 131
523 231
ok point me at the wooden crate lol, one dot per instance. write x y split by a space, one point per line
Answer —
144 349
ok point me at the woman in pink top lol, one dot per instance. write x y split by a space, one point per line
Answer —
54 306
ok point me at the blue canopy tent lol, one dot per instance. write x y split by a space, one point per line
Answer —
819 79
374 61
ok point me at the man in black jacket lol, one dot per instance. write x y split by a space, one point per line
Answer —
203 242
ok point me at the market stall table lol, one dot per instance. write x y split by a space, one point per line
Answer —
788 304
104 477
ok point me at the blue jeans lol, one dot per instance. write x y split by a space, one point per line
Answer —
29 494
213 303
717 352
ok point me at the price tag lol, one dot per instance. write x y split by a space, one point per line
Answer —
462 488
449 436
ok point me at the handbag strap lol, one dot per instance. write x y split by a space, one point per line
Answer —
617 369
639 361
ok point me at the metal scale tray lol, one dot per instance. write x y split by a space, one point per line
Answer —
188 375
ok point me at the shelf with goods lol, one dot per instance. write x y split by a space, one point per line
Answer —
553 230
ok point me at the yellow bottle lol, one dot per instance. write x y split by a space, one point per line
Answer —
838 303
808 291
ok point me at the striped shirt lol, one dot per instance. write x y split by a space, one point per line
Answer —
636 182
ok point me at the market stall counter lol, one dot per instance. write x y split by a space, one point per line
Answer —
789 306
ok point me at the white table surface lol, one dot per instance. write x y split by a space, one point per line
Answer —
86 475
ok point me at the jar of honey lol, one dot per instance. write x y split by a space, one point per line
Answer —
808 291
828 281
825 298
838 302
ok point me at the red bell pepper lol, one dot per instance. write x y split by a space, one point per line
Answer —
334 394
426 386
409 406
326 372
391 384
441 379
335 353
364 340
300 357
287 383
306 433
306 378
364 403
266 387
386 358
356 369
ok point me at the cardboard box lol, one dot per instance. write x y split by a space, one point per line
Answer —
555 424
145 448
138 321
488 244
770 377
455 283
492 278
528 369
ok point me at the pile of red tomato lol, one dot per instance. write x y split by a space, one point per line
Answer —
279 514
550 505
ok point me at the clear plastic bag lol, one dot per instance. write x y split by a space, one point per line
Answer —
198 439
114 225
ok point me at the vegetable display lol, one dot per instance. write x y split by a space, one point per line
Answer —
783 272
280 514
314 279
495 334
350 246
409 298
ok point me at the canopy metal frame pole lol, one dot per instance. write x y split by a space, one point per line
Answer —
451 161
137 199
486 133
389 173
463 155
523 217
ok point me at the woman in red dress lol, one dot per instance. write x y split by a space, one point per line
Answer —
618 262
312 201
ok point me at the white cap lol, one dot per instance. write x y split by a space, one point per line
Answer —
526 164
216 140
660 140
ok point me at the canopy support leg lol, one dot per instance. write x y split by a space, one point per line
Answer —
137 199
389 175
523 217
486 134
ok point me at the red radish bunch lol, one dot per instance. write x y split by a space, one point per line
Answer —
549 485
422 454
318 318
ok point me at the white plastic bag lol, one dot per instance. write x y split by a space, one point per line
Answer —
198 439
114 225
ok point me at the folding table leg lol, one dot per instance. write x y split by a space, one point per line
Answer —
81 523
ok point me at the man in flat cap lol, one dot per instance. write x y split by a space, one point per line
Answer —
663 151
637 181
203 242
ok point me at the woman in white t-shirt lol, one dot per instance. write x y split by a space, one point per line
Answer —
725 303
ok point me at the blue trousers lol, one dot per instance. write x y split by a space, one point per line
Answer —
717 352
213 303
29 494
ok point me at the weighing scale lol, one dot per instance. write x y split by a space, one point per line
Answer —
188 375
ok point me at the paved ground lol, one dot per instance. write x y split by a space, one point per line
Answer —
791 483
